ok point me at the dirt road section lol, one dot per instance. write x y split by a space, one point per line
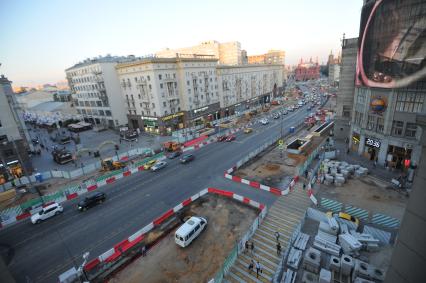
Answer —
228 220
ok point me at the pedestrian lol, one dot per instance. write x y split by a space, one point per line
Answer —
278 248
304 186
252 247
144 251
348 151
250 267
277 236
375 163
120 140
258 268
246 245
306 173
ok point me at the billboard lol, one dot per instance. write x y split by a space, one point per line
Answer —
392 44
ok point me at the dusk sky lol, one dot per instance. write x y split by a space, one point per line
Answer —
40 39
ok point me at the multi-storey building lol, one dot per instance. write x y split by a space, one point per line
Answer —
390 90
165 94
14 145
334 74
96 90
271 57
228 53
345 94
307 71
247 85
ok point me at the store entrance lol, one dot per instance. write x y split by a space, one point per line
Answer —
396 156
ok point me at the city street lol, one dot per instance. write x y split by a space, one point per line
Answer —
41 252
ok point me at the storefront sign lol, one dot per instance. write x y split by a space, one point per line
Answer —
149 118
372 142
201 109
172 116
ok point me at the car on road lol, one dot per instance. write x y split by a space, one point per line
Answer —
276 116
91 200
173 154
187 158
291 109
157 166
230 138
284 112
248 130
344 216
47 212
149 164
221 138
264 121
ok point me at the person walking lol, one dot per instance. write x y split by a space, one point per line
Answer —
277 236
278 248
246 245
258 268
252 248
304 186
250 267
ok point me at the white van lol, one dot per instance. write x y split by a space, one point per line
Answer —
190 230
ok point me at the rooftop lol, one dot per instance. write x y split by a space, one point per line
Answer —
47 106
103 59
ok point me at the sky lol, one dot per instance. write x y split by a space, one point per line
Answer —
39 39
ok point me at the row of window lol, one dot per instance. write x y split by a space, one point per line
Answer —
94 112
89 87
410 102
93 103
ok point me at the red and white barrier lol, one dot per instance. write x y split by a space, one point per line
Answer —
115 252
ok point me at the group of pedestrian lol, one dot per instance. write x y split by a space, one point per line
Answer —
249 246
257 265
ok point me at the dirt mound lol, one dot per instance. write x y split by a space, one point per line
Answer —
272 167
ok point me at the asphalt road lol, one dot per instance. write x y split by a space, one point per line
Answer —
42 252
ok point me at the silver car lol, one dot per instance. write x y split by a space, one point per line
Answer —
157 166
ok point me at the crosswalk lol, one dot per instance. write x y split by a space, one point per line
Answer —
283 216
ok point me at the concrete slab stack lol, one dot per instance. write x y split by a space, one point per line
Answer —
368 242
346 263
327 237
334 263
325 276
327 228
309 277
301 241
349 244
326 246
294 258
289 276
312 260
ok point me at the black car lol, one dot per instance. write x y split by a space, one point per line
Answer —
174 154
187 158
91 200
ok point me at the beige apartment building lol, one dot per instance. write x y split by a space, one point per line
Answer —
228 53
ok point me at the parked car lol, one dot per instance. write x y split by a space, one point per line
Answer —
276 116
264 121
221 138
230 138
149 164
284 112
157 166
173 154
91 200
187 158
248 130
47 212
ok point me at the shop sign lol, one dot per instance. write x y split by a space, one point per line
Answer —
149 118
200 109
372 142
166 118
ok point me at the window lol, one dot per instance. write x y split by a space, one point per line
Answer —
380 125
99 103
410 130
409 102
174 76
346 111
161 85
164 104
159 77
358 118
153 105
101 113
397 127
150 87
92 104
187 82
371 122
107 112
148 78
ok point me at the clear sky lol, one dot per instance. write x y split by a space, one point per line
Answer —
39 39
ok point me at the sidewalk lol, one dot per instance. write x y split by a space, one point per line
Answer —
91 140
379 171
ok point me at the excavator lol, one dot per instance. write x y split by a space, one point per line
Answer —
172 146
110 165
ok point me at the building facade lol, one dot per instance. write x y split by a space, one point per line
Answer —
390 91
248 85
228 53
96 91
166 94
334 74
276 57
345 93
14 145
307 71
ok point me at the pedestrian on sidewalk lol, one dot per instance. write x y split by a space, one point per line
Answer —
375 163
278 248
258 268
251 265
246 246
277 236
304 186
144 251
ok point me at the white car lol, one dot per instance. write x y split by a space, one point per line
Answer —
264 121
47 212
159 165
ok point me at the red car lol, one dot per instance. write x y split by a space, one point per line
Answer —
221 138
230 138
